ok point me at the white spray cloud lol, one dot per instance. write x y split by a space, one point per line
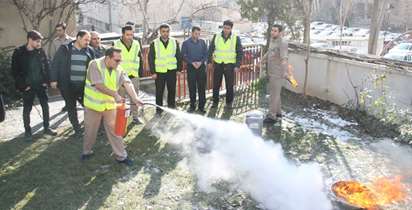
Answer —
228 151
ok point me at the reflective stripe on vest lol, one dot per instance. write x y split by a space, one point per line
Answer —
130 59
165 57
225 52
93 98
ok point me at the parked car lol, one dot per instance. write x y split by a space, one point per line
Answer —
321 45
246 40
346 49
402 47
399 56
316 24
361 32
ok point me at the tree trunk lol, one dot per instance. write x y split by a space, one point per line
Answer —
306 29
308 13
376 23
270 21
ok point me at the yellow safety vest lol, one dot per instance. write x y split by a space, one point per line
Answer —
130 58
93 98
165 58
225 52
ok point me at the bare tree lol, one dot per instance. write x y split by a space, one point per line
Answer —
344 8
150 31
34 13
306 7
307 11
378 12
142 7
203 7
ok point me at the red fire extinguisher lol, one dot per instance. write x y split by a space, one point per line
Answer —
122 113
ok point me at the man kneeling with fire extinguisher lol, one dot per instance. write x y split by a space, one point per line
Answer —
103 80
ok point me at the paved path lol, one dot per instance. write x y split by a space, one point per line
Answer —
13 126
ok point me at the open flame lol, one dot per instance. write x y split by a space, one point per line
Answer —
380 192
389 190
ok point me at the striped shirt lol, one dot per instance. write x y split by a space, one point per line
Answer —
78 65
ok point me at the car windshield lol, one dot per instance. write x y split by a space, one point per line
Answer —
404 46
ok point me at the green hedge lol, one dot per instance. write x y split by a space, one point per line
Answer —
7 88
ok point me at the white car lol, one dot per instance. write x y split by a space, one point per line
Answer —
361 32
407 57
316 24
321 45
346 49
402 47
325 33
246 40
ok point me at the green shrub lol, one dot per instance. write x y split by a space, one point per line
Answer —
7 88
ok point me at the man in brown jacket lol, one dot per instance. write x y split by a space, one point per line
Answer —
276 59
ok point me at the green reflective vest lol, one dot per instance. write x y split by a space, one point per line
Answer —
225 52
165 58
93 98
130 58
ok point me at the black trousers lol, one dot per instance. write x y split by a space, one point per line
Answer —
71 96
228 71
196 79
167 79
28 100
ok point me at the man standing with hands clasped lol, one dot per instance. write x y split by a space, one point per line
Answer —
194 53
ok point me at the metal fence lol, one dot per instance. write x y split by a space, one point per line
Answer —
249 71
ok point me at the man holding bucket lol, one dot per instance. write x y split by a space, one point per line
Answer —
103 80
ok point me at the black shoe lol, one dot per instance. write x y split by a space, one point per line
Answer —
201 111
269 120
50 132
126 161
158 114
28 136
136 121
86 156
214 105
191 109
229 106
159 111
78 133
278 115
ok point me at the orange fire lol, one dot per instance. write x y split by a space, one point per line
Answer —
381 192
389 190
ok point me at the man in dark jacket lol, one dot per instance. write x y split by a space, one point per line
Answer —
225 54
30 69
68 73
165 62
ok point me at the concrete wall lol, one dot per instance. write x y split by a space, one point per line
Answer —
332 79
